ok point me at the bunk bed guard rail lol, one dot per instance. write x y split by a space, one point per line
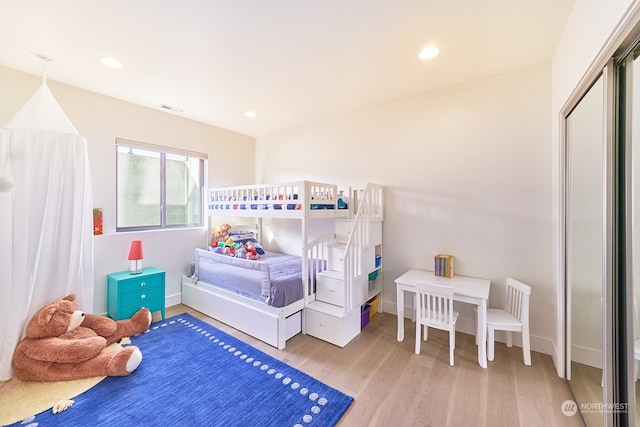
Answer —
283 199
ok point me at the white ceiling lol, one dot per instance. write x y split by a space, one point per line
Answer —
290 61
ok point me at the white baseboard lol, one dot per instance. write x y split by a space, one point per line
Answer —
171 300
586 356
555 355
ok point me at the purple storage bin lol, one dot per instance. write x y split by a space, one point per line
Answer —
364 316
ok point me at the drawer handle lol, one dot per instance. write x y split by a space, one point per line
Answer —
143 283
143 296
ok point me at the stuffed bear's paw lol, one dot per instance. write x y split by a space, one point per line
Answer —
134 360
141 320
125 361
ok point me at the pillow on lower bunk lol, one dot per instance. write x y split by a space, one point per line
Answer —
248 237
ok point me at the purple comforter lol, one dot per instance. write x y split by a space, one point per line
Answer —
275 279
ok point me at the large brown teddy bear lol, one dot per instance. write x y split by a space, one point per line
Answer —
63 343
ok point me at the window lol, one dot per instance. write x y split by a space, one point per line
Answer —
158 187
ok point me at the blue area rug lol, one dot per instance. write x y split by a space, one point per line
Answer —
193 374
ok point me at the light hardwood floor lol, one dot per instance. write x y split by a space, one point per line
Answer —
392 386
586 388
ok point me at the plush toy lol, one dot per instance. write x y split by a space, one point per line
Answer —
220 234
252 254
63 343
223 231
241 252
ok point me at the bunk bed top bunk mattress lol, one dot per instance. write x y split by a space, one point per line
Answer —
275 279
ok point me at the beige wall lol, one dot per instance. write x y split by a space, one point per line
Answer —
467 171
100 120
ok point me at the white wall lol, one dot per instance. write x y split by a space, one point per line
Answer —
101 120
467 171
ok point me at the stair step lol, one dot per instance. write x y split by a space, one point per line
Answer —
333 274
324 307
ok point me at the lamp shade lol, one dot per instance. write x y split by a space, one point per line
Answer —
135 253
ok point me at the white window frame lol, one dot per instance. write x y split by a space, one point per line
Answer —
163 151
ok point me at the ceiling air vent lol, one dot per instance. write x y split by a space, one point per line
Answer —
169 107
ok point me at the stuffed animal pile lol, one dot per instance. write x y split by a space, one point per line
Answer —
238 246
220 234
64 343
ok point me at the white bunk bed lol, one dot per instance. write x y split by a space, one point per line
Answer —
304 201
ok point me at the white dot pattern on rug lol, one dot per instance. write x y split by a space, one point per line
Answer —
29 422
316 402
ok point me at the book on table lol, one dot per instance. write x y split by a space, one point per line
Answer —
443 265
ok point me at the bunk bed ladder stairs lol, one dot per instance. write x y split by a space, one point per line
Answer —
353 257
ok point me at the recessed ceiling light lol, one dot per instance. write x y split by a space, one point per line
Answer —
429 52
111 62
250 114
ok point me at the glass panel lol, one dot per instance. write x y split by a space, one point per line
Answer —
584 257
634 105
184 194
138 188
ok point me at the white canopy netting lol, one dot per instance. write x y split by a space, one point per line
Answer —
46 229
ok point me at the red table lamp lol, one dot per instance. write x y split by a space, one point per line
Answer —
135 256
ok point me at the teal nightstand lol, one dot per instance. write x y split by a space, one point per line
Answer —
127 293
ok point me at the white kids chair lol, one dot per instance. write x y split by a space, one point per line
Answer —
514 317
435 309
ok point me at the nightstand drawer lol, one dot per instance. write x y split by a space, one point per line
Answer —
154 305
140 284
142 296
